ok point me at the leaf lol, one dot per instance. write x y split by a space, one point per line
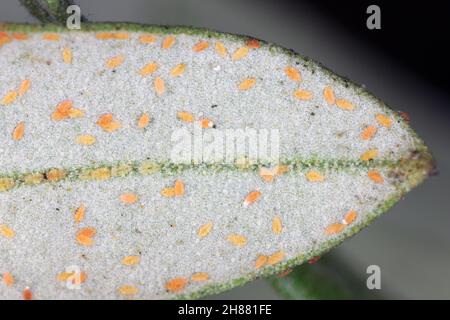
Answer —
232 219
328 278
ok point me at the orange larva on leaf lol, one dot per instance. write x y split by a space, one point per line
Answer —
24 86
88 232
51 37
65 110
292 73
104 35
128 198
302 94
328 95
168 192
168 42
114 62
368 132
384 120
84 240
84 236
64 276
8 279
27 294
120 36
9 98
79 213
128 290
6 231
176 284
107 123
75 113
85 140
4 40
147 38
79 278
251 198
112 35
375 176
260 261
220 49
277 226
178 70
159 85
314 176
205 229
240 53
185 116
131 260
237 240
206 123
105 119
179 188
252 43
275 258
200 46
369 155
19 36
67 55
143 121
267 174
334 228
247 84
148 69
345 104
200 276
18 131
349 217
62 110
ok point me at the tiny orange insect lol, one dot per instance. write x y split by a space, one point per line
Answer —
200 46
27 294
251 198
176 284
128 198
8 279
143 121
19 131
302 94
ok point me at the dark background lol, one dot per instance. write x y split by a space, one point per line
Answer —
406 64
416 36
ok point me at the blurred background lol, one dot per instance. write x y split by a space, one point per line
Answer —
405 63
